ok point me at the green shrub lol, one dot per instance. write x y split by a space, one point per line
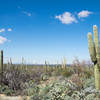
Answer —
30 88
6 90
66 72
44 77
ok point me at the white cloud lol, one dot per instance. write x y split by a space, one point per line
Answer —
2 40
84 13
2 30
9 29
24 11
27 13
66 18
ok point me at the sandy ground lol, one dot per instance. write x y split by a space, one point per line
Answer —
3 97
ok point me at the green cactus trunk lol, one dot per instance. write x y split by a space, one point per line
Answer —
1 65
94 51
97 77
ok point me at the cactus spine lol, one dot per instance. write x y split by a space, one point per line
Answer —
1 64
95 54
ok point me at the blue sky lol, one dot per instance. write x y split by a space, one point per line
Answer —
40 30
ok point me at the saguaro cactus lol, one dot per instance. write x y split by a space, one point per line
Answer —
45 66
95 54
1 64
64 63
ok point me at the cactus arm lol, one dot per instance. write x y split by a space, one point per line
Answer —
96 40
96 37
91 48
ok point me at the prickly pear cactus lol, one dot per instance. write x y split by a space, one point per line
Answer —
94 51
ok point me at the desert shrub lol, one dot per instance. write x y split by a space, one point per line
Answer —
83 68
88 72
77 80
14 78
77 66
6 90
56 90
44 76
67 89
89 82
58 84
36 75
56 72
66 72
30 88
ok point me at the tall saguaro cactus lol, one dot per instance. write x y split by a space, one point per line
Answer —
94 50
1 64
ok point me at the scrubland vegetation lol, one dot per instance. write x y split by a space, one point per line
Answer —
59 82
